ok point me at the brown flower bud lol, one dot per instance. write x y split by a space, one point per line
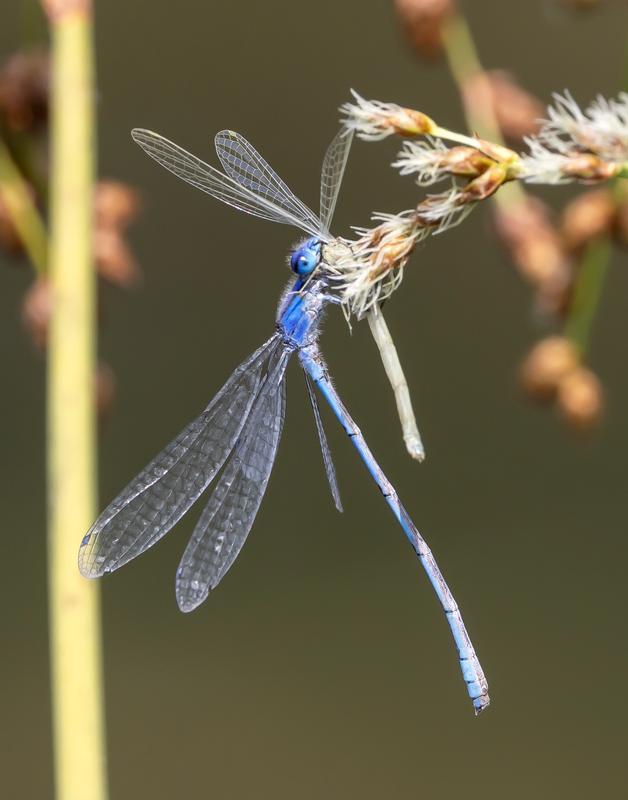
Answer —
24 89
580 398
495 92
466 162
498 152
589 167
114 259
423 22
408 122
116 204
391 255
546 366
484 185
534 244
36 311
589 215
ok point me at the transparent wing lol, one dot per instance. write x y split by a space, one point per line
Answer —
159 496
227 519
244 164
208 179
332 173
330 470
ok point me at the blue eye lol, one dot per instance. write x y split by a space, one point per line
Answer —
305 260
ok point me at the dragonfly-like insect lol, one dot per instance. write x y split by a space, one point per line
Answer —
239 430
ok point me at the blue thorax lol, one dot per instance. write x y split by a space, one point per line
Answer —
300 310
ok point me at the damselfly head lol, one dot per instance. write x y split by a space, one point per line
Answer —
306 257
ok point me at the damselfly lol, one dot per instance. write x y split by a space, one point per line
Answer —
239 431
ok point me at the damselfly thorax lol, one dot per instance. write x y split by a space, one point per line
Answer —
303 303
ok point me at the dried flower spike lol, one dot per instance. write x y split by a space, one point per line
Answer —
602 128
373 120
432 161
371 267
543 165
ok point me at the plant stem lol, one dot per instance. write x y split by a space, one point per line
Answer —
78 719
19 205
587 293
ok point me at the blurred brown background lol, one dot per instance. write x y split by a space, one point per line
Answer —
322 667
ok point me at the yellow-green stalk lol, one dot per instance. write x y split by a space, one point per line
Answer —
77 704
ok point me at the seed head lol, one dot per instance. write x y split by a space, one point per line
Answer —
601 129
588 216
373 120
371 268
546 366
534 245
423 22
116 204
484 185
580 399
114 260
24 90
432 161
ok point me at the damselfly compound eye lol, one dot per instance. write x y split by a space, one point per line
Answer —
304 260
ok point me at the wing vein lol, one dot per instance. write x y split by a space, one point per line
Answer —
230 512
159 496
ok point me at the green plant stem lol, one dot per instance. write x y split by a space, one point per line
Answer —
77 706
18 202
593 269
587 293
464 65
